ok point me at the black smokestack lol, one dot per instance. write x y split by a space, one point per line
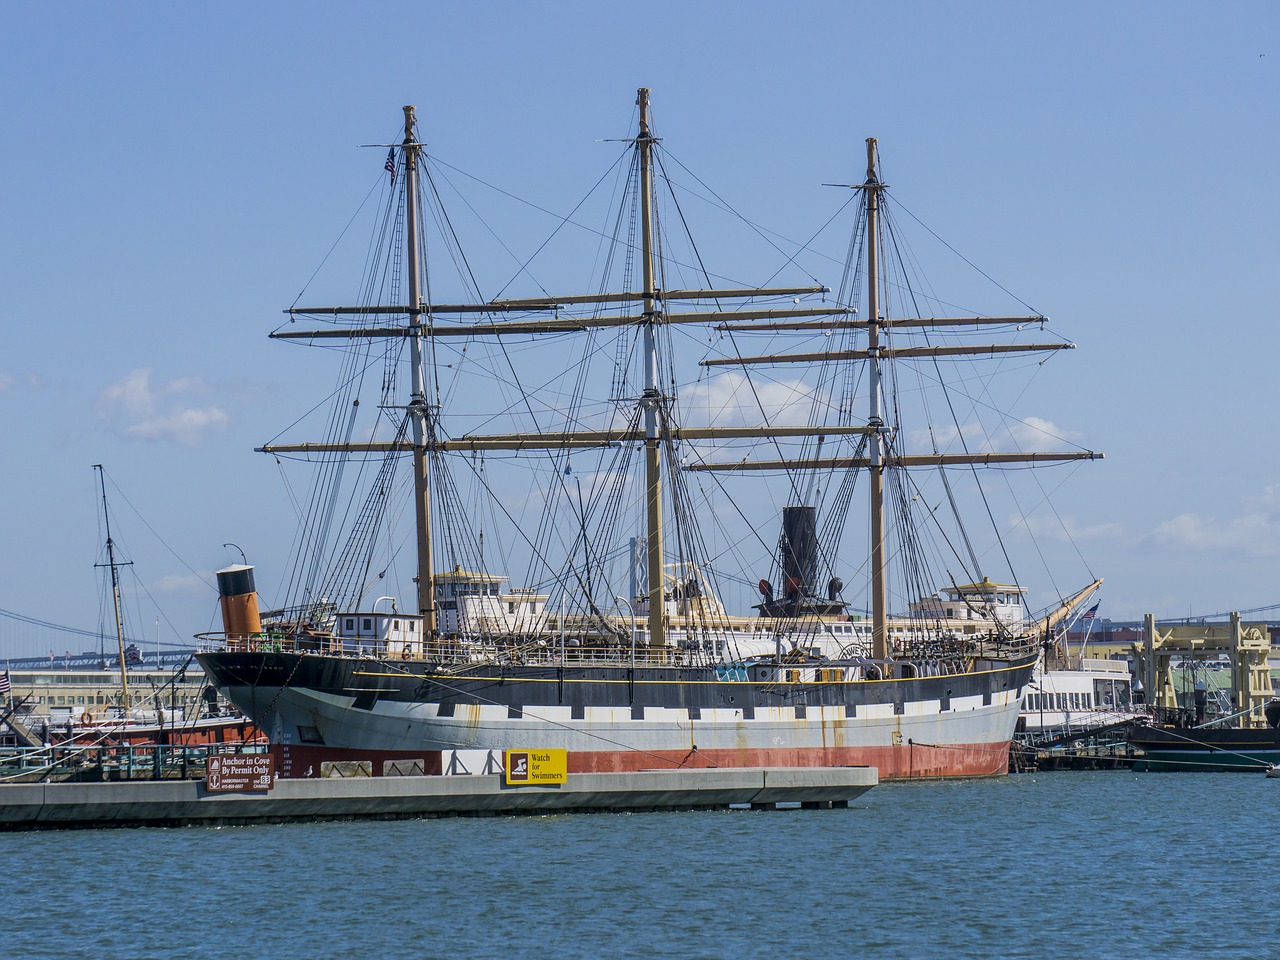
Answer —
799 549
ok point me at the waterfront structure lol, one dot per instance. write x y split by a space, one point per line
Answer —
56 704
1211 698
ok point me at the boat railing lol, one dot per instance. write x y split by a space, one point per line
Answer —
461 652
1075 726
1193 717
586 654
271 642
457 650
102 762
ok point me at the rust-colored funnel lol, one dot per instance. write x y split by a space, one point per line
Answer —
239 601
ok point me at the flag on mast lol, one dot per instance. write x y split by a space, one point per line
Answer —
1091 612
390 165
5 686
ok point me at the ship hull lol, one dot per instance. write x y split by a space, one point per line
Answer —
1205 750
610 718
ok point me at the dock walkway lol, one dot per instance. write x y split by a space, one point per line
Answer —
172 803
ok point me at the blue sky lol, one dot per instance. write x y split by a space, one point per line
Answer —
173 175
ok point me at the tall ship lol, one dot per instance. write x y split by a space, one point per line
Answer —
642 451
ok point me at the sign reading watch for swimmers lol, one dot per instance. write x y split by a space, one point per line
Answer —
533 767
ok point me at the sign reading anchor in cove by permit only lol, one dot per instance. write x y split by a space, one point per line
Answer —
254 771
536 767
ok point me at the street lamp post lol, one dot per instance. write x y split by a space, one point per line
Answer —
631 673
632 608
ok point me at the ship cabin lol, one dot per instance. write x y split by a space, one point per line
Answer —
471 603
974 601
390 634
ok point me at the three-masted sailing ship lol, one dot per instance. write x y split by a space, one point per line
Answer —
665 675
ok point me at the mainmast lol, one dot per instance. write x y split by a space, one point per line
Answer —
879 591
115 592
650 400
418 409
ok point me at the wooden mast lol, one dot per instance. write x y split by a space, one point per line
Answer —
650 399
418 408
125 701
879 590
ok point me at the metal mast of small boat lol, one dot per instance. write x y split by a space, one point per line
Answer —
418 409
650 399
879 590
115 591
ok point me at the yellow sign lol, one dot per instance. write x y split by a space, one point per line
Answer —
536 767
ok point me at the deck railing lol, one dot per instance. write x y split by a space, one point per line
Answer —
96 763
454 651
451 653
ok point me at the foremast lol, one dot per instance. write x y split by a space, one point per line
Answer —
418 410
650 400
879 591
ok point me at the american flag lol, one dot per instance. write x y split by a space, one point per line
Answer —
1091 612
390 165
5 686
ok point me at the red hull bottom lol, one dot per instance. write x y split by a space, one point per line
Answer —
906 762
910 761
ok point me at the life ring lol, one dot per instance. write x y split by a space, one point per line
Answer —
85 718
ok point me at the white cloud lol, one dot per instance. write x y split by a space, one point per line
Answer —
10 381
1254 532
184 425
184 385
1031 434
730 400
1067 529
139 409
1037 433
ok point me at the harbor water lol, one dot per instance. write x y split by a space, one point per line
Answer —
1060 864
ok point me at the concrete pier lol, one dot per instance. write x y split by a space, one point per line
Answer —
182 803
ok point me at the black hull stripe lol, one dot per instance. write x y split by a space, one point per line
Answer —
581 687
